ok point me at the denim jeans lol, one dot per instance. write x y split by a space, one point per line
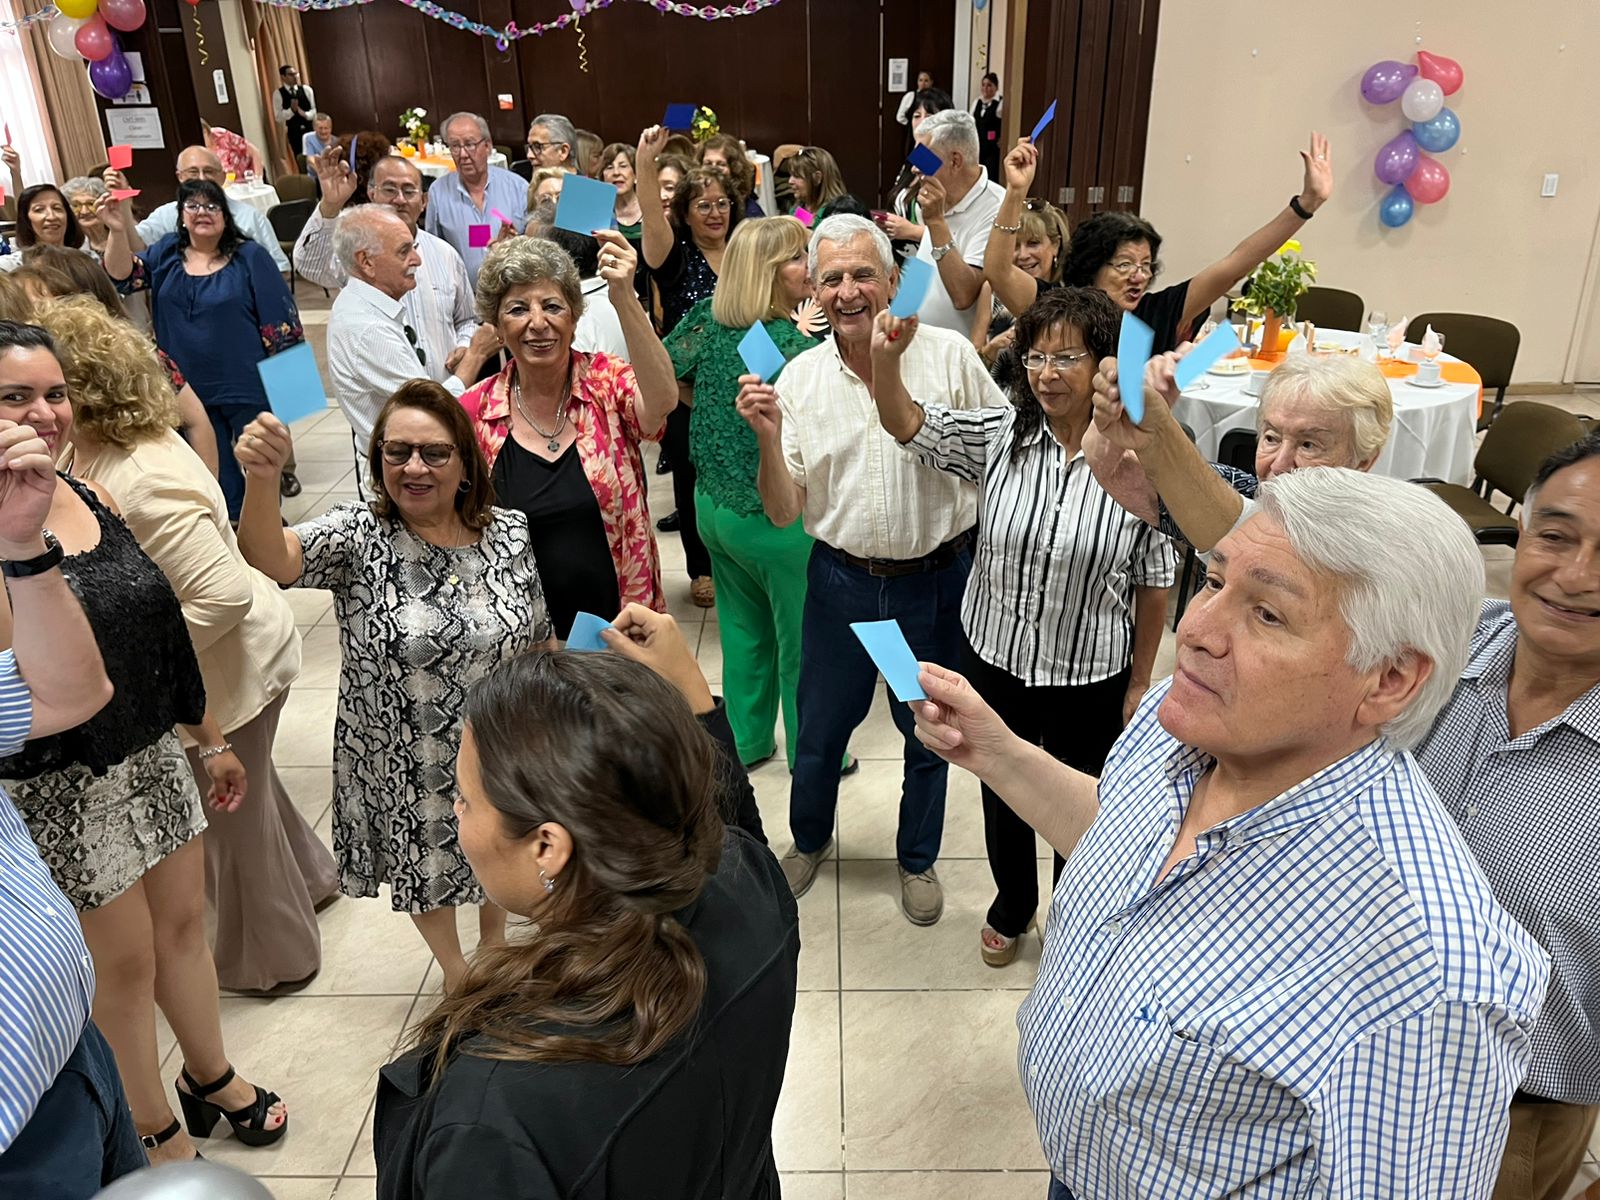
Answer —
836 685
81 1134
1058 1191
228 422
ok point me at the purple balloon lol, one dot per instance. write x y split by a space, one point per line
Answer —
111 76
1384 82
1397 159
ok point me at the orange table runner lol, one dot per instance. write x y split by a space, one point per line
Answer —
1392 368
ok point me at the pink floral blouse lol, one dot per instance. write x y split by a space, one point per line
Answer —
604 412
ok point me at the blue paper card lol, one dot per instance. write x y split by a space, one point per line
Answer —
1220 342
586 205
352 156
924 160
585 633
679 116
892 656
1044 122
760 353
1133 352
916 274
293 386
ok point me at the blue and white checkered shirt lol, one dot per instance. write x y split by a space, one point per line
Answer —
46 975
1529 807
1324 1000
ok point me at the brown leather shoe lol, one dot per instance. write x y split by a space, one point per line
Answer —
921 896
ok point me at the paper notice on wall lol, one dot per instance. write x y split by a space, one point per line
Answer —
898 69
136 127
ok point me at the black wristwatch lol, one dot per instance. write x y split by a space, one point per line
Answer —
1299 209
23 568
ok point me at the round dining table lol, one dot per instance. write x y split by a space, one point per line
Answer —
261 196
1434 430
436 165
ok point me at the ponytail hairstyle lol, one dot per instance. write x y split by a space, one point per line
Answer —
608 750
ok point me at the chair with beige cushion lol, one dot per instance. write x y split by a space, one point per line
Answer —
1488 343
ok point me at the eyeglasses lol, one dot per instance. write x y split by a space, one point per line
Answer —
537 148
1036 361
706 207
197 207
398 454
422 357
1126 267
464 147
389 191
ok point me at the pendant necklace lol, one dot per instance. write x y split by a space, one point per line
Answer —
553 439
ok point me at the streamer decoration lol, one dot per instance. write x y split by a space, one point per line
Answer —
44 14
199 37
583 51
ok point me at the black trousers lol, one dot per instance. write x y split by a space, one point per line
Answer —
675 442
1077 725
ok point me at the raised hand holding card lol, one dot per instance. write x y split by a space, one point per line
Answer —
294 388
1215 346
1133 352
760 353
585 634
916 274
924 160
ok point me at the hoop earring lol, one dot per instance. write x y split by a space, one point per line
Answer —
549 884
466 486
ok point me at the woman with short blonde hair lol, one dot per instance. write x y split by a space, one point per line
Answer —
537 189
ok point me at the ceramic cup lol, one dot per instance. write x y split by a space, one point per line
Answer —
1257 381
1428 373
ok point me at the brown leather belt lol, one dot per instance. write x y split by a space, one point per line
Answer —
889 568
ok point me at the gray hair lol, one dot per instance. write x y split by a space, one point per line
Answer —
949 132
523 260
562 131
359 230
847 227
1341 383
1410 574
83 185
483 126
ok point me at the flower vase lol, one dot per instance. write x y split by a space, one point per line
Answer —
1271 336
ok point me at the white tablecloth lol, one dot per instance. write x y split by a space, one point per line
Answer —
1432 435
443 166
766 189
261 196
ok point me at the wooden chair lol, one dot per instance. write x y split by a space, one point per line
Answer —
1330 308
1488 343
296 187
287 220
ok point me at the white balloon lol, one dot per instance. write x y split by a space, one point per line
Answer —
63 29
1422 100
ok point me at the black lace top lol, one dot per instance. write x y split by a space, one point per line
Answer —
139 627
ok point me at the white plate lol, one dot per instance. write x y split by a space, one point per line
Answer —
1226 367
1415 382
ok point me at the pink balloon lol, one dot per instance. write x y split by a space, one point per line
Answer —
1446 72
93 39
1429 182
126 15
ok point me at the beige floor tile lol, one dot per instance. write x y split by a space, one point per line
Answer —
320 1188
311 788
363 1161
770 782
819 932
806 1129
326 444
869 812
369 949
818 1185
948 1185
322 1054
357 1188
930 1083
321 474
710 653
305 732
310 605
881 949
304 506
319 658
877 736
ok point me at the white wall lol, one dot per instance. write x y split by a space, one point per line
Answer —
1238 85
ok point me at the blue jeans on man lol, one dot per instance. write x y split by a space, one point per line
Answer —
837 681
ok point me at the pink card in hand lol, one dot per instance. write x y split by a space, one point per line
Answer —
120 158
804 217
479 236
124 193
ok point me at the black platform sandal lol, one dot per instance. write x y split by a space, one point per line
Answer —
249 1123
151 1140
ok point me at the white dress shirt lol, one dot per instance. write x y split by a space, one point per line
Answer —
599 328
251 222
281 112
864 494
440 308
970 222
370 356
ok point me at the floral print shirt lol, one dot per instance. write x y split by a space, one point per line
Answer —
603 410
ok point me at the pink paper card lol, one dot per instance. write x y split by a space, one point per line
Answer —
124 193
804 217
502 218
479 236
120 157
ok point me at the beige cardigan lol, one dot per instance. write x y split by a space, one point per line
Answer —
240 622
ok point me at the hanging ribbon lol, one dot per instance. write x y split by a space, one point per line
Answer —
199 37
44 14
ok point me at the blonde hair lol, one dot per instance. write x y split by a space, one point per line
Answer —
540 175
120 394
1341 383
821 173
1047 223
15 303
747 287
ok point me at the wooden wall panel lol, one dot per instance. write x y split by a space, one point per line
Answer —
336 67
924 33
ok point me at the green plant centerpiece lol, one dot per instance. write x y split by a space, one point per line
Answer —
1275 288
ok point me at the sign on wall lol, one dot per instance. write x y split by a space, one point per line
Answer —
136 127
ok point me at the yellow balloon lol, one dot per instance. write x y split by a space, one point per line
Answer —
79 9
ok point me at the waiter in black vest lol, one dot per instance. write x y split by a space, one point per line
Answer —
294 106
986 115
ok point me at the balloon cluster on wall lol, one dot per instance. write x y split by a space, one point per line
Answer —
1414 178
84 29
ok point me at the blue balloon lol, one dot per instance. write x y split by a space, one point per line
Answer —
1439 134
1396 208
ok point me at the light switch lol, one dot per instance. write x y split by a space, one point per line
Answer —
1549 188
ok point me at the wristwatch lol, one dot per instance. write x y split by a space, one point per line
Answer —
940 251
23 568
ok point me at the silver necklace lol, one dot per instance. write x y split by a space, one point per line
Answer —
553 439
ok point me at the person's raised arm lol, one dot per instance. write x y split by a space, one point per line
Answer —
961 279
13 162
782 499
652 365
898 413
118 257
116 181
657 233
1015 287
1214 281
956 724
263 450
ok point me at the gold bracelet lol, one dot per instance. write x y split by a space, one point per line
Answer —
1017 228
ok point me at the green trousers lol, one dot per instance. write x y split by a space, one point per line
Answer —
761 592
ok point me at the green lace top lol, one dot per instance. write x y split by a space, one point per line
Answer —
721 444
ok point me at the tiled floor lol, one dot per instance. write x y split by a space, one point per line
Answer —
901 1080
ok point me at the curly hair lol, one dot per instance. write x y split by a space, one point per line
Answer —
523 260
1095 243
740 168
695 184
1088 310
120 393
203 189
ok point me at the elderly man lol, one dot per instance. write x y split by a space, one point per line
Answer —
65 1129
894 540
1272 966
473 191
440 307
372 346
196 162
959 204
553 142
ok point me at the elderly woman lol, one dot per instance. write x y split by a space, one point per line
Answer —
760 568
640 1038
44 218
266 870
112 803
1063 610
83 193
545 186
724 152
459 595
1042 238
1117 252
1315 411
616 168
218 307
561 429
814 179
